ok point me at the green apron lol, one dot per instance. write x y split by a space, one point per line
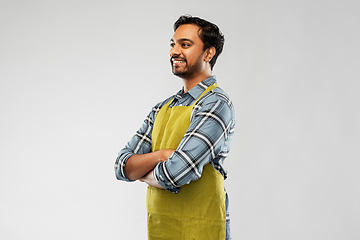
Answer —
198 210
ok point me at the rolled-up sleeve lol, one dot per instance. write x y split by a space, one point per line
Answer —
140 143
206 141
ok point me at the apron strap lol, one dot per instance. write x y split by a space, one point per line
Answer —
206 91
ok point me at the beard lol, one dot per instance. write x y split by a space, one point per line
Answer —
188 71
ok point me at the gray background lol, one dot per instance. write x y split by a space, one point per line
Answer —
79 77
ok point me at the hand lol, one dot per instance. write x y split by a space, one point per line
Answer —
150 180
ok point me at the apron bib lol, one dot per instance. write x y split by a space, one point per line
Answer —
198 210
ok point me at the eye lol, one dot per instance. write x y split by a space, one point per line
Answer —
185 45
172 45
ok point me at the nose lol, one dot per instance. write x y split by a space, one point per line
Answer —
175 50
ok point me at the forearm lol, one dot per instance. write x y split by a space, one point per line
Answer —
139 165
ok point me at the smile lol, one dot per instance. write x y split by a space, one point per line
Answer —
177 62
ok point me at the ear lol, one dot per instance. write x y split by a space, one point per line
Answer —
209 54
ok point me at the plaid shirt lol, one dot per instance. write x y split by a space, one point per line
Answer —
206 141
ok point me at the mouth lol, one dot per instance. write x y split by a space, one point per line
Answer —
177 61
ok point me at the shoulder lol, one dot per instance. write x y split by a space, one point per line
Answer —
216 95
162 103
158 106
218 103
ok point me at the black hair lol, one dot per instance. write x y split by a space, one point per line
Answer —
209 34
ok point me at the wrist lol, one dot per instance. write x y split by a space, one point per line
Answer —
165 154
160 156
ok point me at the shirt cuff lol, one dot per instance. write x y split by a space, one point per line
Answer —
120 168
162 180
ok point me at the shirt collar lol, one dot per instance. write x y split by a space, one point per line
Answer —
196 91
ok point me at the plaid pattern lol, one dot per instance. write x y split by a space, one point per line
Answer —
207 139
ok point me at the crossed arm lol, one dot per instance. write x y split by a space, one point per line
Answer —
207 139
140 166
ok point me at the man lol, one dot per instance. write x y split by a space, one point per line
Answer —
180 148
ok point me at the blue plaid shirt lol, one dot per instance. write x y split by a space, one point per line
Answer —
207 139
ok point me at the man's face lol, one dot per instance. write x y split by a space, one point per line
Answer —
186 54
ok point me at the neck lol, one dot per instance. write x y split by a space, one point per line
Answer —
189 83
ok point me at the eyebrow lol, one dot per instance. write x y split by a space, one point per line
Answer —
182 40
